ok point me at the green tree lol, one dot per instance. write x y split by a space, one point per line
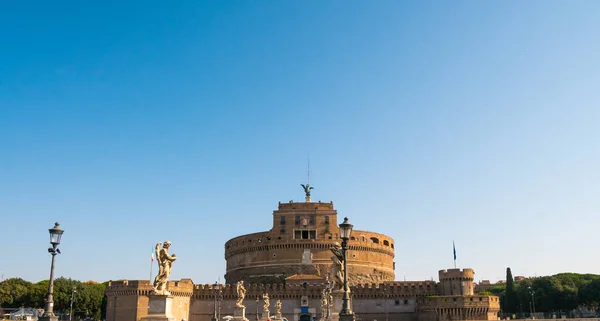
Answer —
510 297
589 294
13 292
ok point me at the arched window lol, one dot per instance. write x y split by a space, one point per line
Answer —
386 243
374 240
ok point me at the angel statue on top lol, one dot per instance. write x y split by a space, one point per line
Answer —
337 265
165 262
241 294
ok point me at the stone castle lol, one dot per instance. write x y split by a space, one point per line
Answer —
291 262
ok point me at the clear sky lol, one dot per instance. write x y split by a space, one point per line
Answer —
133 122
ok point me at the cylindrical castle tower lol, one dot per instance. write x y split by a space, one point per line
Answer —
299 243
457 281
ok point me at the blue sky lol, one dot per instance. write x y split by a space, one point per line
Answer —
138 122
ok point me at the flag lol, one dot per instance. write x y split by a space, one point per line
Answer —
454 249
152 256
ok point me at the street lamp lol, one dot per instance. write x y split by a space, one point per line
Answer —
532 292
257 302
215 317
55 235
345 230
220 299
72 297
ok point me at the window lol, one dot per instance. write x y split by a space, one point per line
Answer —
405 301
374 240
312 220
397 302
386 243
326 228
305 234
326 220
297 220
283 220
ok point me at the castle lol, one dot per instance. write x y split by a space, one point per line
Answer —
291 262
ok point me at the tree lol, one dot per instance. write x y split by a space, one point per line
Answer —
510 297
589 294
13 292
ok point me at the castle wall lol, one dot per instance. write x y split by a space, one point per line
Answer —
392 301
128 300
471 307
273 255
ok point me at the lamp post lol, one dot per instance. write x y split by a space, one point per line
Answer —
55 235
532 292
257 302
220 298
72 297
215 317
345 230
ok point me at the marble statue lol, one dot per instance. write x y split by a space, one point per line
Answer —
324 304
241 293
337 266
165 262
278 307
267 303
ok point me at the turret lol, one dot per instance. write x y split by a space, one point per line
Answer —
457 281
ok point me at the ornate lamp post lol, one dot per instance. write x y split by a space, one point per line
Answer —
220 298
72 297
215 290
532 292
345 230
257 303
55 235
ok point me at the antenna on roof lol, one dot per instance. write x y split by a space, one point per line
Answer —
308 165
307 187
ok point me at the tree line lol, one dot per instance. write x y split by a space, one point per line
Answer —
560 292
88 300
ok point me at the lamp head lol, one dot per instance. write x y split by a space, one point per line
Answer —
345 229
55 234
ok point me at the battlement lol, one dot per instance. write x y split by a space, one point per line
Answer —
183 287
455 274
395 289
469 301
305 207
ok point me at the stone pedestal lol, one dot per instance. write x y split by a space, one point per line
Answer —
239 313
265 316
159 308
336 307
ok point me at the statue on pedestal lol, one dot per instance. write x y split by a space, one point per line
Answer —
337 266
278 307
307 189
241 293
165 262
267 303
324 305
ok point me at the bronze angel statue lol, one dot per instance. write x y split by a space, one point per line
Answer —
307 189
